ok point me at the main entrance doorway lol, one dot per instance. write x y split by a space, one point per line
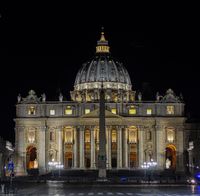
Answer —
170 157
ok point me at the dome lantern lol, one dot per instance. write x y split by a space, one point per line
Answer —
102 44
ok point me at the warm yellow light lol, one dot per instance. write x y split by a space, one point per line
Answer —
114 110
103 49
68 111
149 111
68 136
87 136
114 136
170 109
170 135
31 110
132 111
87 111
133 136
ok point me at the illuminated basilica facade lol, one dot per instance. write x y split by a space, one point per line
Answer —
66 133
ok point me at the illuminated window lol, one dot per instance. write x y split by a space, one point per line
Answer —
133 135
87 111
114 136
31 110
31 135
68 136
132 110
68 110
87 136
170 109
149 111
170 135
52 112
114 110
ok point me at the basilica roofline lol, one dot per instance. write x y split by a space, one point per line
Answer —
169 97
97 102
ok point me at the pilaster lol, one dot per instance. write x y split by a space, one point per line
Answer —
81 147
119 147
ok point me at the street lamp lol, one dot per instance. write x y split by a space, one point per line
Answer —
147 165
59 166
55 165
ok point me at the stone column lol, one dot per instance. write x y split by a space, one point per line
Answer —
141 145
20 151
180 150
41 149
119 147
82 147
160 146
125 147
92 133
60 145
153 134
75 148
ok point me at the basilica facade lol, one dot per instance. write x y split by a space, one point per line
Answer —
65 134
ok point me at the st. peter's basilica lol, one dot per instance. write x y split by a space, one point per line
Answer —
66 133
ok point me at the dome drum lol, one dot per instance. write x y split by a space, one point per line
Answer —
111 95
106 85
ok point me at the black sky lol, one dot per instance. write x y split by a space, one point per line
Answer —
45 45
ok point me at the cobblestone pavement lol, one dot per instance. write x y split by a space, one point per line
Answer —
62 189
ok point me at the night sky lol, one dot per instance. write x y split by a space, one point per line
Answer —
45 45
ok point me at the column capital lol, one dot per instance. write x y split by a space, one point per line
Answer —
141 127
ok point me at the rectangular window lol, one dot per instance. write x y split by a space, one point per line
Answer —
149 111
170 109
31 110
132 110
68 110
114 110
52 112
87 111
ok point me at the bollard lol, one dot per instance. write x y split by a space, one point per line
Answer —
2 188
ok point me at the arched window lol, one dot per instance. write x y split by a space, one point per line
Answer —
87 136
170 134
114 136
132 134
68 135
31 135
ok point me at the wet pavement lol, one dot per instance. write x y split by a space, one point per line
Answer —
58 188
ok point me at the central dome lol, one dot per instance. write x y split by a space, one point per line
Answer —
102 69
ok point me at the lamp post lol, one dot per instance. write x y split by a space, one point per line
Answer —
55 165
59 166
147 165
